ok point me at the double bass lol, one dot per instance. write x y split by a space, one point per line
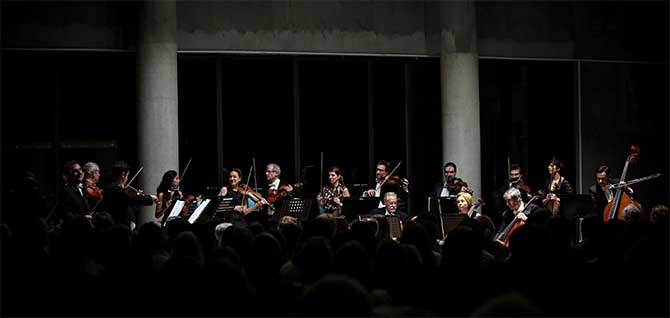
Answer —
614 209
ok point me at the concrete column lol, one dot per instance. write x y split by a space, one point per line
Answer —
157 112
459 74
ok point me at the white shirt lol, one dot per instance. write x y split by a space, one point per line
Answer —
274 185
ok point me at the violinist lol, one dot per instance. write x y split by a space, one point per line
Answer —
120 198
516 208
92 192
601 191
330 197
245 200
72 197
168 192
386 183
276 190
451 185
556 185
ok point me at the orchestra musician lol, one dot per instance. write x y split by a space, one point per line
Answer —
464 203
516 181
381 185
391 207
277 190
168 192
93 192
245 200
601 191
120 198
450 185
516 208
556 185
73 201
330 197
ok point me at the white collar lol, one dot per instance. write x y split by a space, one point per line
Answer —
274 185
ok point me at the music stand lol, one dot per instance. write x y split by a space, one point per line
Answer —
451 221
225 205
395 230
576 205
353 207
444 205
297 208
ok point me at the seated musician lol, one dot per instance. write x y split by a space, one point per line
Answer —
450 185
601 191
391 207
464 204
245 199
277 190
120 198
381 185
330 197
168 192
516 208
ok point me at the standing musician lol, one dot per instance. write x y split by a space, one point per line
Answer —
515 205
92 192
555 186
386 183
391 207
73 201
516 181
120 198
168 192
450 185
243 196
330 197
601 191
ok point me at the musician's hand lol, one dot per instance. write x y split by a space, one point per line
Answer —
405 184
155 198
522 216
468 190
88 216
263 202
289 188
370 193
239 208
337 201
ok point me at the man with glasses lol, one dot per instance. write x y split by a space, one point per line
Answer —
379 188
275 192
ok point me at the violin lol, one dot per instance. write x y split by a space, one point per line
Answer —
92 191
275 194
250 193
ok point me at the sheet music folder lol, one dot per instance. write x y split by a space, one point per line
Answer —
447 205
353 207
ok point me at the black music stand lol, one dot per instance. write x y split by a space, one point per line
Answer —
444 205
576 205
451 221
395 230
225 206
297 208
353 207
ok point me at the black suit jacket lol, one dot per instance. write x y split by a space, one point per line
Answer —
73 202
508 215
119 204
403 216
395 188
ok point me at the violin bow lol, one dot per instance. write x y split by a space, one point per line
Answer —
135 176
244 197
321 182
185 169
391 173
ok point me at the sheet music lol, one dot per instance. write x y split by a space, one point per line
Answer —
198 211
176 209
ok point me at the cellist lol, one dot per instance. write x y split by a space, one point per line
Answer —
516 209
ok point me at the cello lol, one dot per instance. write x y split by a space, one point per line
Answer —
504 236
614 208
